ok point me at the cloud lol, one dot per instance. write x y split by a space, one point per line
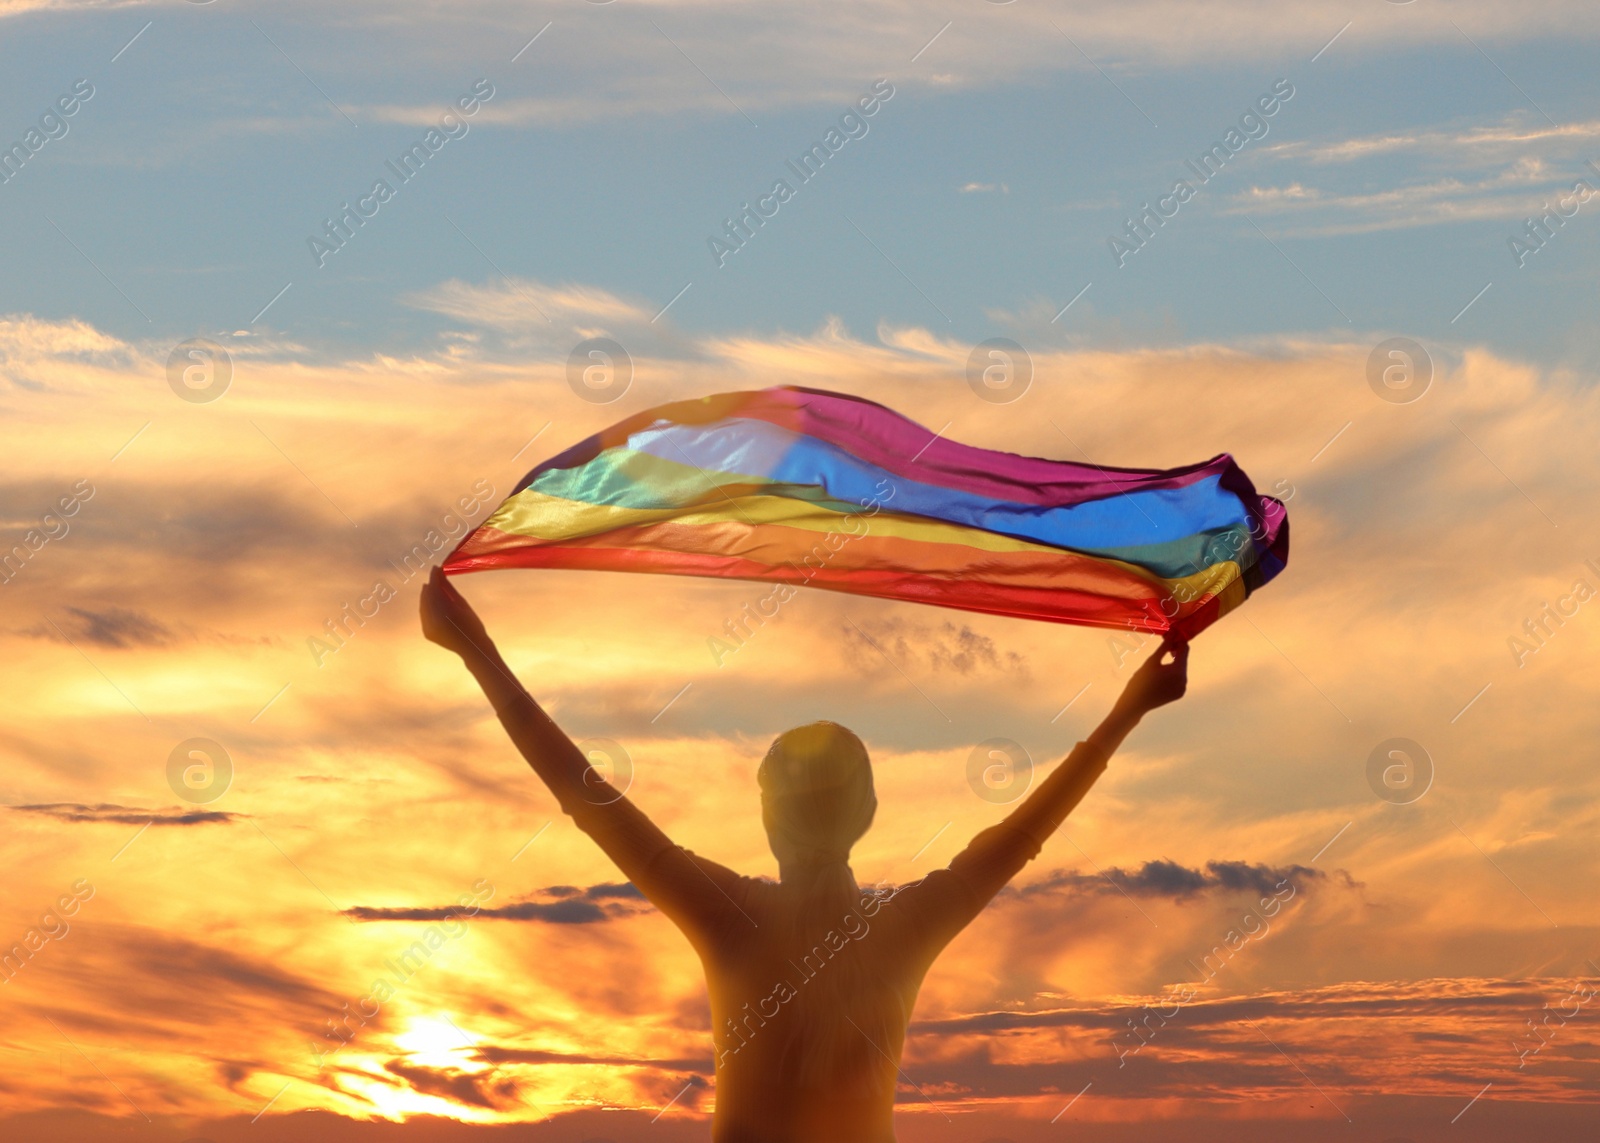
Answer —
135 983
39 353
1506 194
1337 1033
1389 609
524 303
464 1088
125 815
1173 881
117 627
735 62
1455 174
1512 136
501 1055
598 892
942 646
564 905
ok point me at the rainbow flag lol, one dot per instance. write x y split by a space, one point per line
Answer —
805 486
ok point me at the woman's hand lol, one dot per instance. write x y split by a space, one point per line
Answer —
1154 684
448 619
1157 682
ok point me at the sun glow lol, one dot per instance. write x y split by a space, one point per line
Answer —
439 1042
396 1101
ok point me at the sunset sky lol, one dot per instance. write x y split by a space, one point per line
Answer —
182 560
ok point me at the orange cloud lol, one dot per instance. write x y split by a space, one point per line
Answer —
370 786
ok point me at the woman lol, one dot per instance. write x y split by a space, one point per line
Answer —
812 980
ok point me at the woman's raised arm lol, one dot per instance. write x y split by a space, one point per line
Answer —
1154 684
449 621
696 893
998 853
